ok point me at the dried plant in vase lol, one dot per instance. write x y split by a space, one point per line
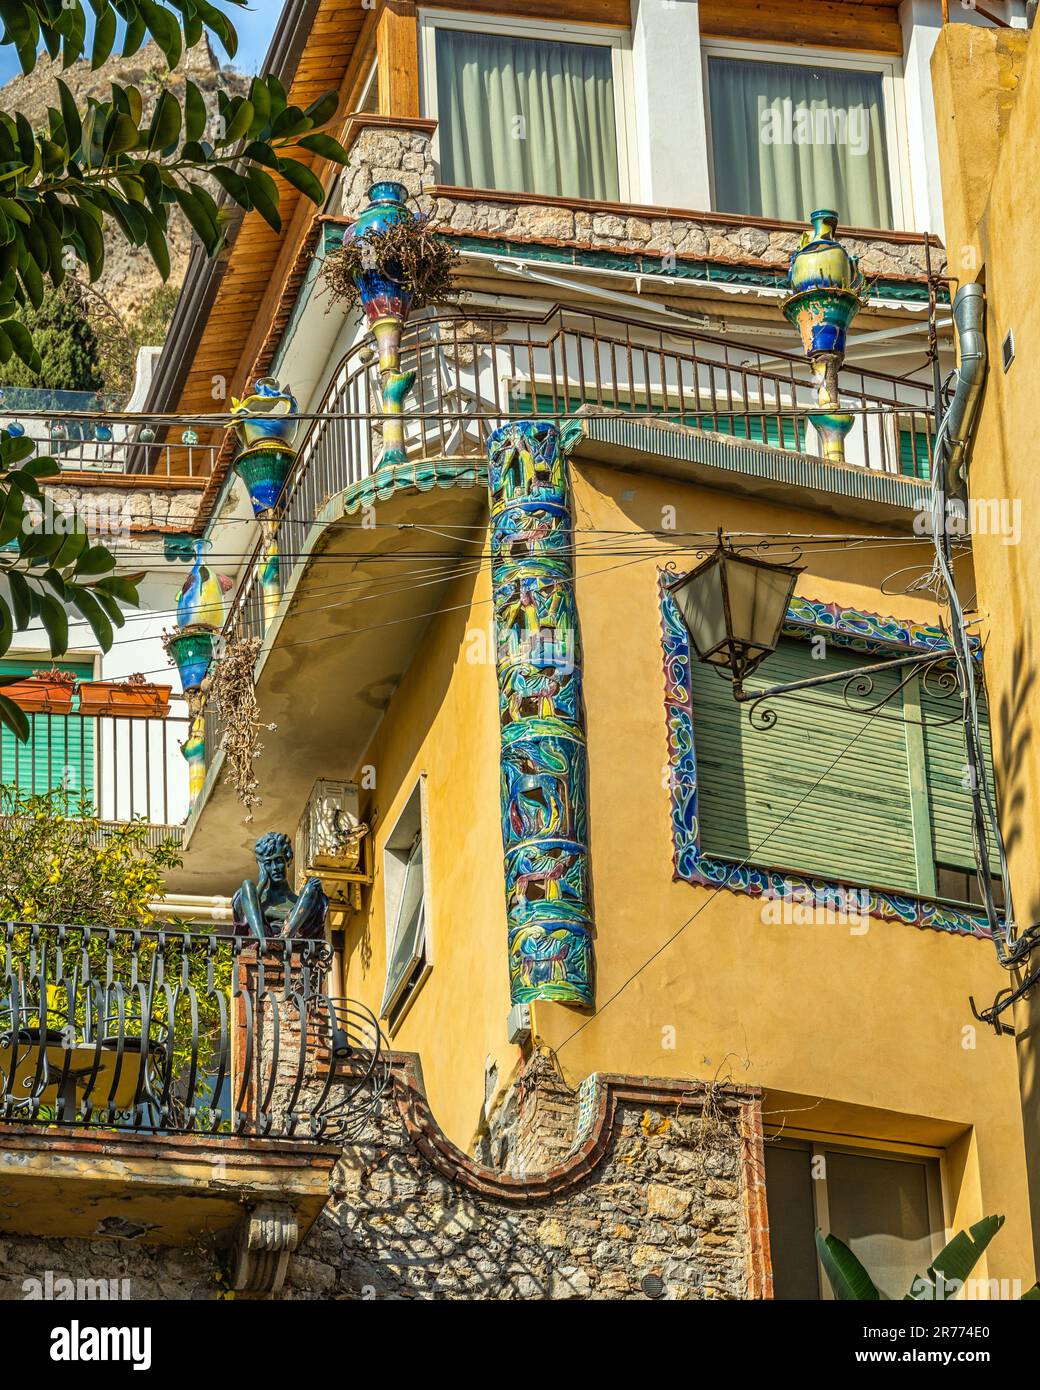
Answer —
235 696
412 255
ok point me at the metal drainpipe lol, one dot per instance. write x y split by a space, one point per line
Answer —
955 436
969 316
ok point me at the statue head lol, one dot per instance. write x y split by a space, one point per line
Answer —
274 854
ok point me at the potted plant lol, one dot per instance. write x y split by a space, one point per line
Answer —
44 692
390 263
133 698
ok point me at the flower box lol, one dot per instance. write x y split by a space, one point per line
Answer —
42 693
128 699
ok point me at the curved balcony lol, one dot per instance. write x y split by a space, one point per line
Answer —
681 404
474 373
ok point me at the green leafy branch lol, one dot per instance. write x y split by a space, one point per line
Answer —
942 1280
61 186
47 571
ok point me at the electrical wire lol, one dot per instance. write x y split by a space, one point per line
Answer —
714 892
1012 948
455 567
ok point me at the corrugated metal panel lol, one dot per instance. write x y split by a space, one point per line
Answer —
856 825
782 433
949 790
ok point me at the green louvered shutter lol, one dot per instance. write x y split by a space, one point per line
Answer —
915 454
60 751
780 432
949 792
856 826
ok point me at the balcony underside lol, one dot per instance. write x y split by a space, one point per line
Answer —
780 476
161 1190
357 605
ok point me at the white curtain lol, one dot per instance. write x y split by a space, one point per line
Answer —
788 138
527 115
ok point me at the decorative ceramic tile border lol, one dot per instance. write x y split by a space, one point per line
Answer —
863 632
860 631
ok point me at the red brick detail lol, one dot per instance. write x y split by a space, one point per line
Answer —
611 1091
753 1165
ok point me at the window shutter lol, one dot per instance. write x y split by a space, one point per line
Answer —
60 751
856 826
406 949
949 793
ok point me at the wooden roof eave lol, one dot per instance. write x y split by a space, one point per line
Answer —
218 329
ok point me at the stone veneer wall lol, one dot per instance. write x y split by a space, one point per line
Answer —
126 506
402 152
661 1195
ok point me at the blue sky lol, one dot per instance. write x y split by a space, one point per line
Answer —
255 26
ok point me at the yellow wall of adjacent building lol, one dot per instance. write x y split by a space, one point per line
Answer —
859 1036
987 86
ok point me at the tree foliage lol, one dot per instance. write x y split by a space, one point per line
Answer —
121 336
60 186
106 164
56 865
68 345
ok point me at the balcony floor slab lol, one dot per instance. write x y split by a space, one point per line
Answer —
59 1182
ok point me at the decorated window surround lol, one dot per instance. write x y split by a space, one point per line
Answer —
845 627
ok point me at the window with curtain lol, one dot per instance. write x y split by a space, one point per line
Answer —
527 115
881 1207
788 138
893 812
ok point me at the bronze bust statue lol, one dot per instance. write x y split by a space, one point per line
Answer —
269 907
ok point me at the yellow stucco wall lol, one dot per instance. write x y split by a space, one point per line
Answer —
442 727
988 89
858 1036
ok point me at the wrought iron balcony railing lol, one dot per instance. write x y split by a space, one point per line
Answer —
89 433
180 1032
474 373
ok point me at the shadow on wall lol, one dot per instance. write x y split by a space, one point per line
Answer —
1011 728
662 1196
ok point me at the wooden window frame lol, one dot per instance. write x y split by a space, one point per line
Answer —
893 96
619 41
395 1010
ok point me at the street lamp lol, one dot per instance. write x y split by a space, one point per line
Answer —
734 607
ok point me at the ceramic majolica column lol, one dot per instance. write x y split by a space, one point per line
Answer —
201 611
387 305
543 759
826 295
266 424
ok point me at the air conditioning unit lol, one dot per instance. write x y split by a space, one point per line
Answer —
335 841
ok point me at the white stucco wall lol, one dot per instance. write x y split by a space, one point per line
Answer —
671 128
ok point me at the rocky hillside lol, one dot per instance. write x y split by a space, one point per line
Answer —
130 275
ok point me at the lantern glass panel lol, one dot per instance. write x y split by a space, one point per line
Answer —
758 597
701 602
